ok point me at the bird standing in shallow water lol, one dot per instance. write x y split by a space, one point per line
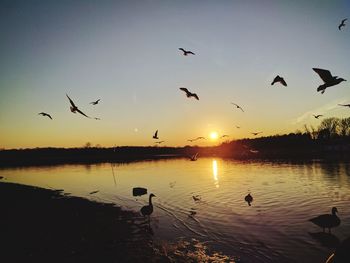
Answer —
147 210
327 220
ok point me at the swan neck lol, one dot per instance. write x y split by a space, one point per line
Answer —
150 200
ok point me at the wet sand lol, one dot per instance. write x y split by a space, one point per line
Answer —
40 225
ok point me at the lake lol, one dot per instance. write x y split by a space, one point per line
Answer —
275 228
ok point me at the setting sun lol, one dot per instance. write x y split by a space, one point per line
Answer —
214 135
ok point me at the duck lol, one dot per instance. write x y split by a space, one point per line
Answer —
248 198
147 210
327 220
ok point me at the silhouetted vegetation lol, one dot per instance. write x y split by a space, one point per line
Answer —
330 140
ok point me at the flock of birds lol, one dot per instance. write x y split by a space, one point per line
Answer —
324 221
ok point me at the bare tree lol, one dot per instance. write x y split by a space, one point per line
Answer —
328 128
344 127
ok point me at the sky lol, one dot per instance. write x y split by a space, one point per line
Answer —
126 54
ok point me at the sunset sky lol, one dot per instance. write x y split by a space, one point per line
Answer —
126 54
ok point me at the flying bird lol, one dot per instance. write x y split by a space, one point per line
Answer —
237 106
189 94
317 116
223 136
74 108
256 133
196 198
45 114
95 102
327 78
342 24
98 119
200 138
155 136
94 192
160 142
186 52
345 105
280 80
327 220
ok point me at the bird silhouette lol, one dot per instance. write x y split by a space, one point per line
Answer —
189 94
223 136
238 127
256 133
280 80
200 138
237 106
45 114
74 108
344 105
248 198
327 78
186 52
194 157
327 220
95 102
317 116
94 192
160 142
98 119
155 136
196 198
342 24
147 210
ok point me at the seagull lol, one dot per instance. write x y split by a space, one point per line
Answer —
95 102
342 24
223 136
45 114
237 106
317 116
186 52
256 133
74 108
327 78
189 94
345 105
160 142
199 138
155 136
280 80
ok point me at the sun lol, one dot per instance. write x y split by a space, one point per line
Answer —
214 135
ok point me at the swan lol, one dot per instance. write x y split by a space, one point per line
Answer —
327 220
147 210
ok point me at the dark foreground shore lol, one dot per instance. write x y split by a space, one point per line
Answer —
39 225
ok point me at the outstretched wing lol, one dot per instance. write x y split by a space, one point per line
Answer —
182 49
195 95
190 52
185 90
343 21
82 113
284 83
156 134
71 102
324 74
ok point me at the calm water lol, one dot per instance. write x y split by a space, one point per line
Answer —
274 229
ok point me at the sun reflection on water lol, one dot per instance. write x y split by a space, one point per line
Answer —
215 173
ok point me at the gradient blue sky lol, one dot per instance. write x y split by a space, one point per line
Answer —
126 53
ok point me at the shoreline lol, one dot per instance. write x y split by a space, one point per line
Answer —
40 225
